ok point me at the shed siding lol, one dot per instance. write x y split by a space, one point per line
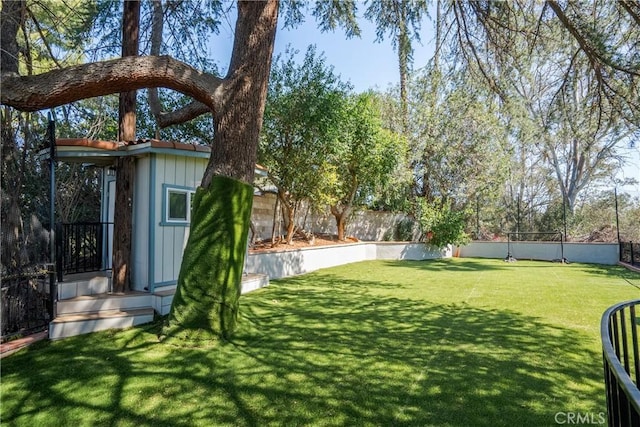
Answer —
170 240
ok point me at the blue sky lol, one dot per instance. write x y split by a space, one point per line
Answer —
362 61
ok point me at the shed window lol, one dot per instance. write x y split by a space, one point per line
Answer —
178 205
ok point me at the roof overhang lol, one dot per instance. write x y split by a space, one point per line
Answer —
104 153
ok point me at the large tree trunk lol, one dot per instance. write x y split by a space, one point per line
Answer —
125 166
11 16
206 302
13 253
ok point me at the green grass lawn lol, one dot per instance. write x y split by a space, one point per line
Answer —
458 342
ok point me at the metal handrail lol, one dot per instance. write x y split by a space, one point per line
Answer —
623 395
80 247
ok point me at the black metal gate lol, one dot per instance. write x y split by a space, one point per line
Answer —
27 305
630 253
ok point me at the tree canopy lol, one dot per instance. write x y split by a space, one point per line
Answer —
302 129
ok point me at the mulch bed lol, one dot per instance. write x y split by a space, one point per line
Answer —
299 242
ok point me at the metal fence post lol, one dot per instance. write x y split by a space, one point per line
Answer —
53 291
59 251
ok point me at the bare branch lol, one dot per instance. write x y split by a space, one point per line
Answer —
43 38
59 87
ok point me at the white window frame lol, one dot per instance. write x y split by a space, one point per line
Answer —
167 190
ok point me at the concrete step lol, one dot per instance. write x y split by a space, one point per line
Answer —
89 286
253 282
94 303
163 297
70 325
162 300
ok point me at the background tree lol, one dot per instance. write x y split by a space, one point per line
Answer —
554 61
305 112
459 141
368 155
41 42
574 69
397 195
401 21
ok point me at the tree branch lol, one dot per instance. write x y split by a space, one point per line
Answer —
43 38
594 56
163 118
460 18
59 87
184 114
632 8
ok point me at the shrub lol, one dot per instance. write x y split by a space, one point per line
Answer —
441 225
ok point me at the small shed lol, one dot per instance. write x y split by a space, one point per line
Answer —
165 179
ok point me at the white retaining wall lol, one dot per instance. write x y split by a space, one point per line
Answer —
290 263
590 253
286 263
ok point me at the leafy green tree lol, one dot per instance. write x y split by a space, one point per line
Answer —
44 42
396 195
368 155
459 145
301 132
441 224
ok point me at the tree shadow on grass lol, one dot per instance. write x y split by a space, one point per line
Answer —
457 265
390 361
321 350
614 271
